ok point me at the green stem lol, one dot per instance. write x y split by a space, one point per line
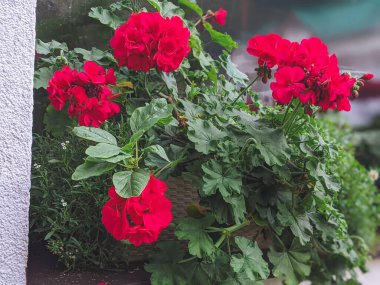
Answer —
245 89
237 227
220 240
287 110
137 155
187 260
163 168
292 118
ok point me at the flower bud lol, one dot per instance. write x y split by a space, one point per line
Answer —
367 76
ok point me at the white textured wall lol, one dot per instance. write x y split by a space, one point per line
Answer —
17 22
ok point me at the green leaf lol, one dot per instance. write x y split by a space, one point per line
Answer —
49 47
237 204
193 230
165 268
318 170
118 158
217 178
42 77
146 117
101 57
233 72
224 40
105 17
299 223
56 122
192 5
250 262
204 135
156 156
133 140
130 183
291 264
95 134
218 268
167 9
196 274
271 143
170 82
103 150
91 168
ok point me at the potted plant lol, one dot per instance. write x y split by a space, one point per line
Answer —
217 187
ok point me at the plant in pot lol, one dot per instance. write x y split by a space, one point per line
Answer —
211 185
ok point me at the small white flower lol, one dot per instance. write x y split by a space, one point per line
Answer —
62 200
36 165
373 175
64 204
67 142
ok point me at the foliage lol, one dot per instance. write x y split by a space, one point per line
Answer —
278 170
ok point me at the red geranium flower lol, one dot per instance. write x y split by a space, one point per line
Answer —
86 93
148 40
149 214
220 16
306 70
287 84
264 47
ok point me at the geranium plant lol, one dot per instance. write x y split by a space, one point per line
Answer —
265 176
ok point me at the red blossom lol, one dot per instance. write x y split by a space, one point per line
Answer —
220 16
287 84
148 40
148 214
306 71
86 93
264 47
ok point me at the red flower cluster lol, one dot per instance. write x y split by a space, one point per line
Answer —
148 40
148 214
220 16
86 93
306 71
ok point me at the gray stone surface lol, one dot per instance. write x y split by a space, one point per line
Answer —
17 36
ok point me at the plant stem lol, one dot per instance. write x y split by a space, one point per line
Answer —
287 110
187 260
163 168
292 117
220 240
245 89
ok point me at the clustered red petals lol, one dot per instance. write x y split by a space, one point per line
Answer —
305 70
148 40
220 16
86 93
138 219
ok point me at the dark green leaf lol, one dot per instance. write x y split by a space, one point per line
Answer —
204 135
133 140
291 264
226 180
224 40
170 82
42 77
298 223
165 268
166 8
105 17
56 122
91 168
156 156
146 117
130 183
95 134
49 47
200 243
103 150
250 262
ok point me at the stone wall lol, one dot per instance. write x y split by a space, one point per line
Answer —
17 37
